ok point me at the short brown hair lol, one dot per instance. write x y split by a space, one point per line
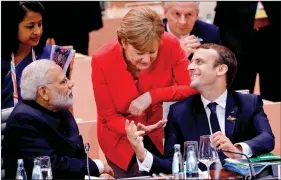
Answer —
141 27
226 57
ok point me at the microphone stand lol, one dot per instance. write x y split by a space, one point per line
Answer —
87 149
249 162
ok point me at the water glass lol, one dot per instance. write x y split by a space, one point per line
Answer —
46 169
206 153
191 159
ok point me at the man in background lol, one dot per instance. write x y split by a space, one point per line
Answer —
181 20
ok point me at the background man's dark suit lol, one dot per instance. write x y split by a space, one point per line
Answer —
187 120
208 32
71 21
34 131
256 51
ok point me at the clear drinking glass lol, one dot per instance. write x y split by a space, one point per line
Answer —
46 169
191 159
206 153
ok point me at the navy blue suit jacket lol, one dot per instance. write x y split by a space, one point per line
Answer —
34 131
208 32
187 121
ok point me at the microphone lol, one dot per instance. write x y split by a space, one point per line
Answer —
249 162
87 149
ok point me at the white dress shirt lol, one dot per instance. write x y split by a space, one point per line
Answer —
100 165
220 109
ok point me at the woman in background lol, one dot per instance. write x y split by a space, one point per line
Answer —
24 41
131 78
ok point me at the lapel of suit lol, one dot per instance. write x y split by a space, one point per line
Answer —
120 82
242 115
70 138
201 117
230 115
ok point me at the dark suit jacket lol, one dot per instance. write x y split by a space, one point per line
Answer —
236 21
240 16
208 32
34 131
187 121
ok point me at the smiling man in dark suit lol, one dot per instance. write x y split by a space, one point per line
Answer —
181 20
41 125
235 121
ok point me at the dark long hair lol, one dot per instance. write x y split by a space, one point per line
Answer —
12 13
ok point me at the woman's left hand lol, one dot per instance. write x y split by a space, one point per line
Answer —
151 128
140 104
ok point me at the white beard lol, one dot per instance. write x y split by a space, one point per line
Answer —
61 101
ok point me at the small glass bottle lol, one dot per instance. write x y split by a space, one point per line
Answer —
177 167
21 174
36 172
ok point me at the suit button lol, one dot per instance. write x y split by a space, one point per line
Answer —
77 146
104 121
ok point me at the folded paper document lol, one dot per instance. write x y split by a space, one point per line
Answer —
266 157
259 163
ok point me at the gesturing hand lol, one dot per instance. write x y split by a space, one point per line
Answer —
150 128
140 104
189 44
136 139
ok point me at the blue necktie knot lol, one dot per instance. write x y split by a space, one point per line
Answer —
212 106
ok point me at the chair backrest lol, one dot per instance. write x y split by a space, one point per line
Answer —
166 109
5 113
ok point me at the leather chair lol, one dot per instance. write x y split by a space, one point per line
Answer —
5 113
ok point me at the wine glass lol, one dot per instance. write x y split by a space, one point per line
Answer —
206 153
45 165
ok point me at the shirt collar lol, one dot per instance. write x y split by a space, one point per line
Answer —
221 101
169 31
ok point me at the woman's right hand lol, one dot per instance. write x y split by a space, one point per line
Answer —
140 104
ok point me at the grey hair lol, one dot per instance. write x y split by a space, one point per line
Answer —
34 76
167 3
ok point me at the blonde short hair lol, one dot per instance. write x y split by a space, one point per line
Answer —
141 28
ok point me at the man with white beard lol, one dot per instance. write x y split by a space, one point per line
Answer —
41 125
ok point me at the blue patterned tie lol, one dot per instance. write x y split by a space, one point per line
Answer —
213 118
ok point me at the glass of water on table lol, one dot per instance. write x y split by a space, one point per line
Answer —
45 165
